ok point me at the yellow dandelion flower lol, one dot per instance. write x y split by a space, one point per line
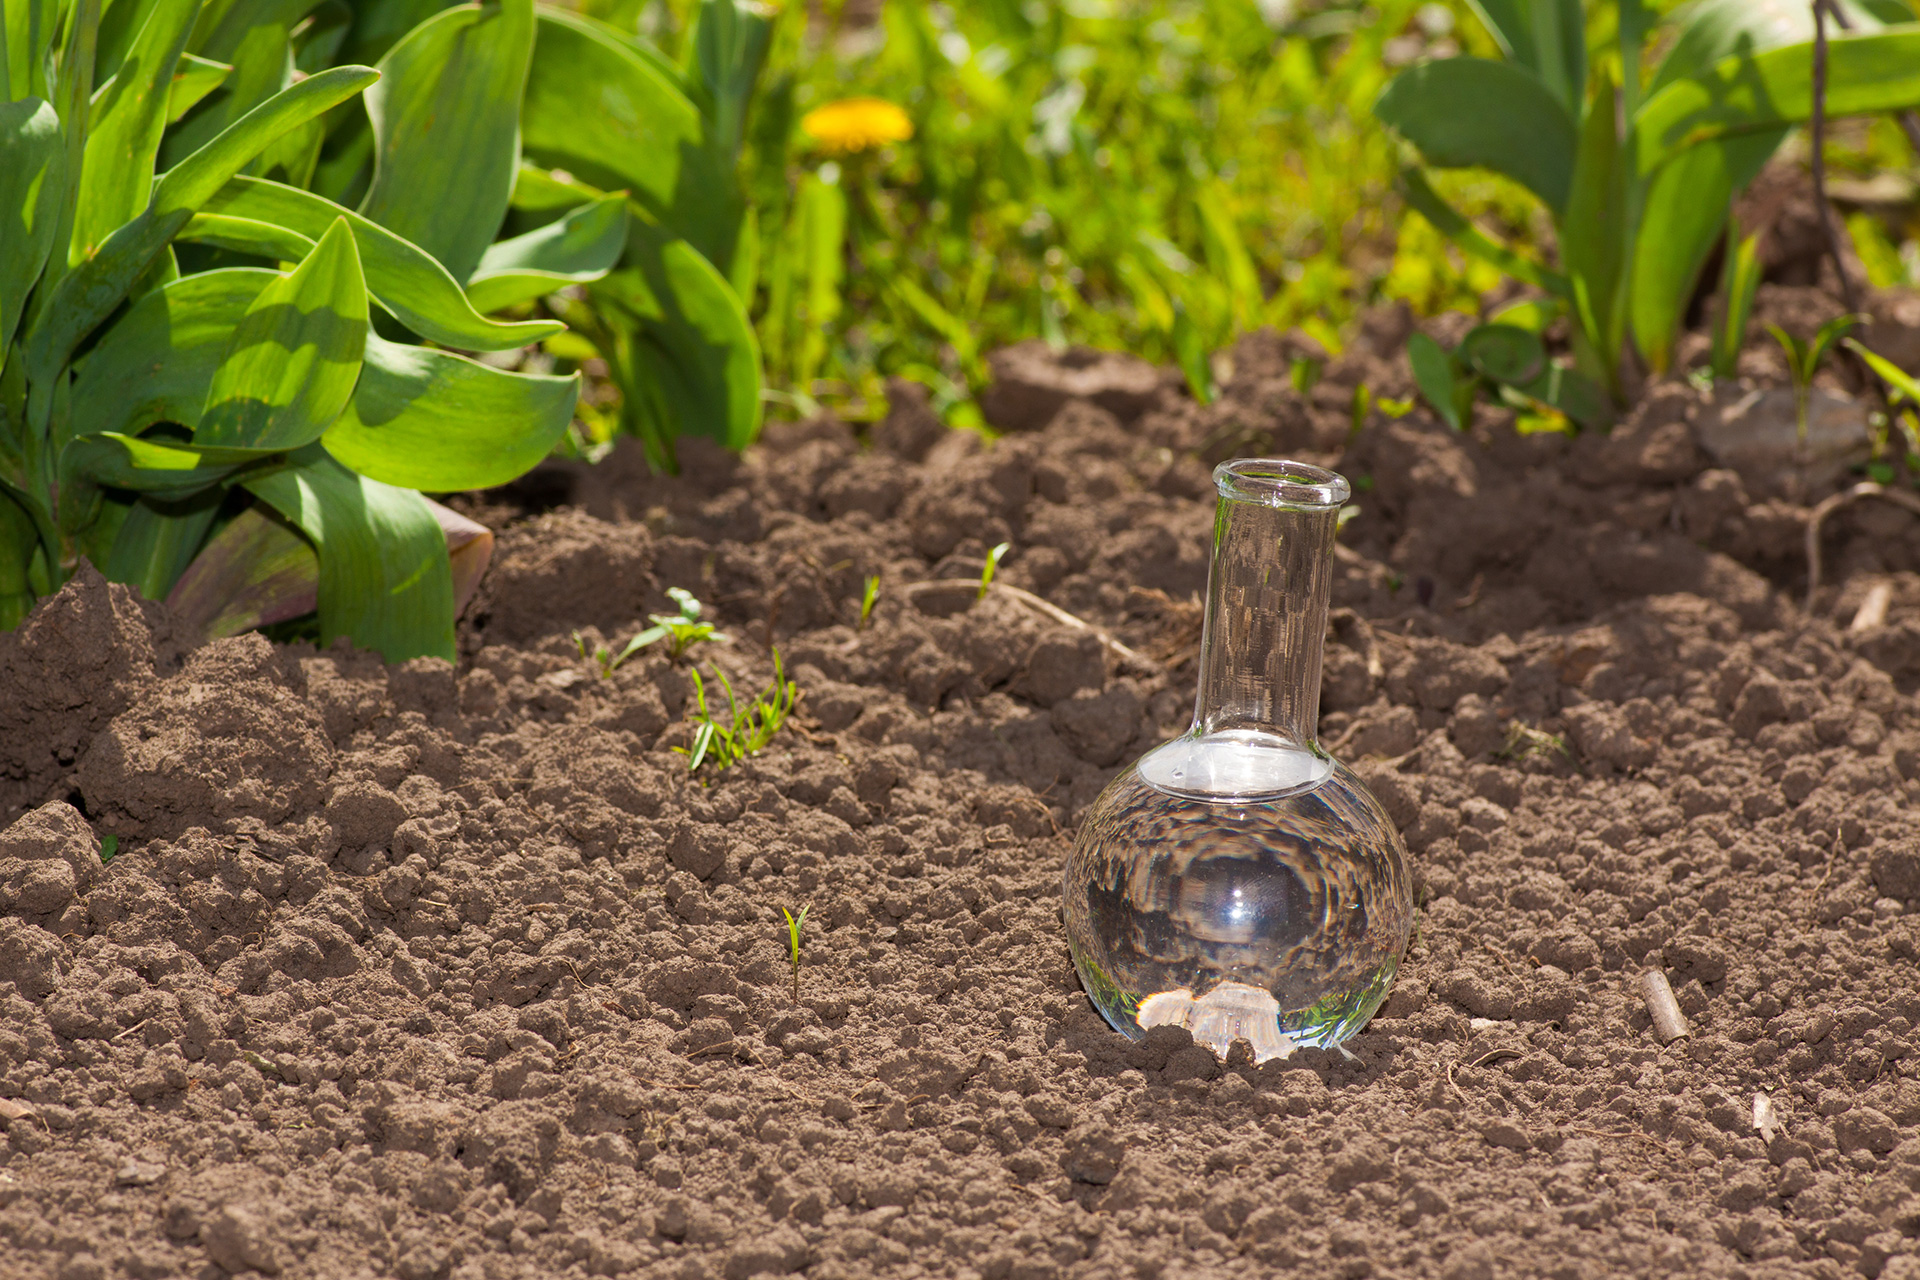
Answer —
856 124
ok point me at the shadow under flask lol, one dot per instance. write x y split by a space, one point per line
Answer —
1239 881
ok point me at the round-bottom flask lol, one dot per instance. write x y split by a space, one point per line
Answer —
1238 881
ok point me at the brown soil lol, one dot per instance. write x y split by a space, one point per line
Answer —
403 971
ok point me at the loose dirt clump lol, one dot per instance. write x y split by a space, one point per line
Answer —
434 972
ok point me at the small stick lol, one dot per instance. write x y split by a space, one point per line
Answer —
1865 489
1054 613
1668 1022
1873 610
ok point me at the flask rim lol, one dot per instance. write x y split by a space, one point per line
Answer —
1281 482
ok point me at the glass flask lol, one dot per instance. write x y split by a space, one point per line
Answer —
1239 881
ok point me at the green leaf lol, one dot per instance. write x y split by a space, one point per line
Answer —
194 78
1593 232
401 277
1867 74
167 468
1574 394
1711 30
33 181
1452 224
1433 373
295 356
244 235
445 121
1470 112
89 293
1504 352
584 245
1547 37
256 571
692 343
597 108
384 578
729 47
436 421
1890 373
1683 211
129 113
1739 281
158 539
156 363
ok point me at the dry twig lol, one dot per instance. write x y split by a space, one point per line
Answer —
1668 1022
1054 613
1865 489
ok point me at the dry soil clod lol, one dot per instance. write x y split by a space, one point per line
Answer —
1668 1022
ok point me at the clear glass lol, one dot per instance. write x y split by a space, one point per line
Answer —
1239 881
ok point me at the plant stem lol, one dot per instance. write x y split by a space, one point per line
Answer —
1819 130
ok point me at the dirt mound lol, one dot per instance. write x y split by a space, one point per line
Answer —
433 973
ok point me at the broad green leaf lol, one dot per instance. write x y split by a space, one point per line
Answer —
194 78
541 191
1470 112
295 356
256 571
384 578
1433 374
157 539
129 113
402 278
597 108
244 235
435 421
583 245
692 340
19 542
89 293
168 468
1504 352
240 19
32 184
821 229
445 119
378 27
1454 225
1593 232
729 46
1682 215
1711 30
194 180
1574 394
1547 37
156 363
1867 74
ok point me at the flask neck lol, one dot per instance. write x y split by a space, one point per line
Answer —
1267 595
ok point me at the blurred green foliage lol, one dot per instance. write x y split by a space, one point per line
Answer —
1155 177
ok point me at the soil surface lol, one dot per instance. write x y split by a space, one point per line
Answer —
422 972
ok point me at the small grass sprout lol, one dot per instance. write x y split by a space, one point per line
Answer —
868 598
1804 357
681 632
748 730
991 567
795 923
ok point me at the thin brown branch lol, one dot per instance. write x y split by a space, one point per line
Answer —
1865 489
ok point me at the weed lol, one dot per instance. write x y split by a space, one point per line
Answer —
109 845
747 730
1739 279
991 567
681 632
794 925
1524 742
868 598
1804 357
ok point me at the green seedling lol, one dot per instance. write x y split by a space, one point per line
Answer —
990 568
1509 361
1803 360
794 925
109 845
1739 279
868 598
748 730
1525 742
681 632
